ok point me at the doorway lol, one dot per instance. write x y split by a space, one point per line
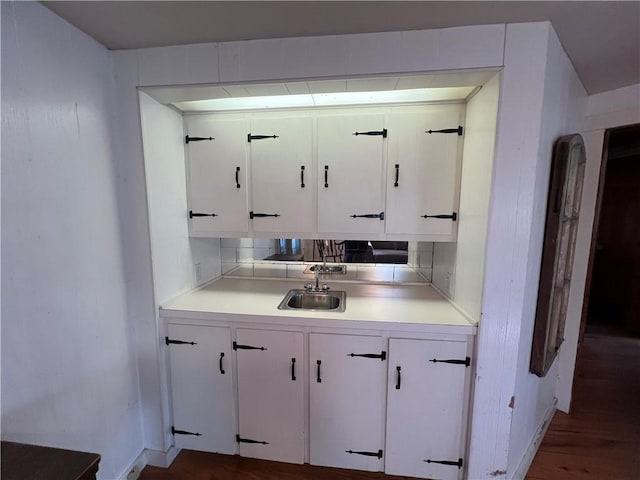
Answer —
613 299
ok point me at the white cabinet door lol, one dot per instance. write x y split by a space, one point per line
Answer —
217 177
422 173
350 174
202 388
282 176
346 397
270 395
425 405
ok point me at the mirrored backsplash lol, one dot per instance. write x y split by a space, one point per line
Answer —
366 260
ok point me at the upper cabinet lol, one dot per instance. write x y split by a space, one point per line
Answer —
422 173
371 172
350 165
217 176
281 152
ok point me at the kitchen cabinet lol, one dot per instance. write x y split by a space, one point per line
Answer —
346 401
282 176
270 394
426 399
201 387
350 166
423 171
217 176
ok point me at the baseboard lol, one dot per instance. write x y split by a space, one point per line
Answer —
521 472
158 458
135 469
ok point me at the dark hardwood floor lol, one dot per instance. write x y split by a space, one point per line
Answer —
599 440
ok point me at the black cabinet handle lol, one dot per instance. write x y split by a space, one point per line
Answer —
447 130
453 216
196 139
220 363
237 177
318 379
395 184
293 369
301 176
196 214
262 215
398 378
326 176
382 133
369 215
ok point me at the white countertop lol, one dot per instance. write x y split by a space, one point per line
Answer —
374 306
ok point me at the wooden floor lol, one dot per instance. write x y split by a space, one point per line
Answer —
599 440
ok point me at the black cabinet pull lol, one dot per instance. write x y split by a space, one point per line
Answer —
382 355
466 362
398 378
382 133
259 137
196 139
175 431
453 216
447 130
169 341
369 215
326 176
447 462
262 215
395 184
293 369
220 363
318 379
248 440
377 454
237 177
237 346
301 176
196 214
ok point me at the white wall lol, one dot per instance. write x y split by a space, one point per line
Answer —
68 367
605 110
563 110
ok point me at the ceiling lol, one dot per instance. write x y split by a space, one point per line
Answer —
601 38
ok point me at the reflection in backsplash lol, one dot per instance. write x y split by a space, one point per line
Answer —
257 257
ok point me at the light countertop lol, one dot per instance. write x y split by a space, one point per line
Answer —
372 306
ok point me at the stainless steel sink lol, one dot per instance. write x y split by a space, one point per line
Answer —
298 299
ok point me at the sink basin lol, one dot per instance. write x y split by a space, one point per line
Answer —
298 299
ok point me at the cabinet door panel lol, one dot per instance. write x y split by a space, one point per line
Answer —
427 172
270 402
277 165
212 172
354 175
424 416
346 406
202 394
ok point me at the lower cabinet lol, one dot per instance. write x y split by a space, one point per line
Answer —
202 387
270 394
425 404
396 405
346 401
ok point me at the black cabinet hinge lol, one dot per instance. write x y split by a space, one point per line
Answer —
382 133
466 362
453 216
169 341
369 215
196 214
253 215
447 130
248 440
382 355
237 346
259 137
188 139
452 463
175 431
377 454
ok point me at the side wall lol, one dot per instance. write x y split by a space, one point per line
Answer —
605 110
69 375
563 111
